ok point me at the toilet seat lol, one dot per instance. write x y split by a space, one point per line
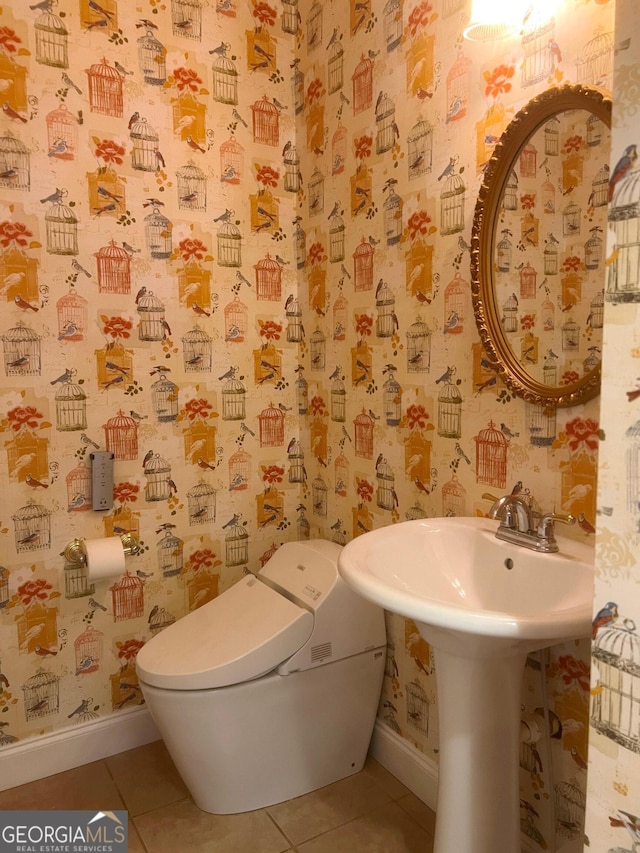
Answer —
240 635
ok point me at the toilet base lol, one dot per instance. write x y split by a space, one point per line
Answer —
261 742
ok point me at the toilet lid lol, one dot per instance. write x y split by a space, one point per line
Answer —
242 634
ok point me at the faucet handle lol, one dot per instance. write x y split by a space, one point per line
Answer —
545 525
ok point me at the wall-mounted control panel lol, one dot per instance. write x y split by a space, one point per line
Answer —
102 479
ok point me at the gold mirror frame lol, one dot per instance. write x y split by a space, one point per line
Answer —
485 227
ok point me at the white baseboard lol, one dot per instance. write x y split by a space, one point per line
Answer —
415 770
42 756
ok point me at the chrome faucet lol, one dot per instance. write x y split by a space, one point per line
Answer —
521 525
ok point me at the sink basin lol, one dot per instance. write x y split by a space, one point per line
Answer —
484 605
453 574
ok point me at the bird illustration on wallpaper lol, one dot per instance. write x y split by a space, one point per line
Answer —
623 273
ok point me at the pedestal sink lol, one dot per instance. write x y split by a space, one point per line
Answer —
483 604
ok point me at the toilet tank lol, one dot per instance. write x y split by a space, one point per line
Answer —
344 623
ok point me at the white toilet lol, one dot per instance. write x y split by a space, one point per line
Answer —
270 690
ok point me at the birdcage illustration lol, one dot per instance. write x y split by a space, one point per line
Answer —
293 314
114 269
550 256
145 144
197 349
290 16
316 193
236 316
302 395
300 242
158 230
152 59
528 160
392 401
127 597
615 708
233 400
62 230
292 177
268 279
594 62
186 18
160 620
71 407
105 89
458 87
314 27
158 473
528 282
164 394
231 161
340 317
623 281
72 316
341 471
192 187
76 582
392 24
452 200
335 67
570 336
229 245
386 320
363 435
509 317
298 91
417 707
552 137
362 82
202 588
571 220
510 196
295 455
271 422
537 36
338 400
79 488
570 804
41 695
339 143
21 351
599 196
454 498
170 551
319 492
194 285
266 122
550 370
418 347
15 163
591 361
633 467
491 457
27 455
201 501
386 497
121 436
455 302
363 266
503 253
548 197
596 311
547 315
4 587
61 133
88 648
386 128
152 326
51 41
225 81
318 349
239 470
420 149
449 411
32 527
392 213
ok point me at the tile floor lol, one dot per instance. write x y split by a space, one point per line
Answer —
370 812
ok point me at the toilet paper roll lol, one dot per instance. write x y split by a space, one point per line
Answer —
105 557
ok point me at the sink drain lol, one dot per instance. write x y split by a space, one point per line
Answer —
508 563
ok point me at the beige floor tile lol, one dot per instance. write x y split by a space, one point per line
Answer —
135 842
86 787
389 783
146 778
326 808
419 811
182 827
387 830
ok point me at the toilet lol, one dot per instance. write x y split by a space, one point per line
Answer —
270 690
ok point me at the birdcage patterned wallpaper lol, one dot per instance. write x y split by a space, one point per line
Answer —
137 300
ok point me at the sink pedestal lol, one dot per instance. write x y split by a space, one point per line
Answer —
479 728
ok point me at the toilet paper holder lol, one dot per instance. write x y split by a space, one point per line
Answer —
75 553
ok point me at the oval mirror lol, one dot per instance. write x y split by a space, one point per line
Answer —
538 247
